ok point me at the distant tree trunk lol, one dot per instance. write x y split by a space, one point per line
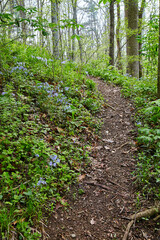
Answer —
40 13
69 55
55 35
158 80
23 15
111 46
73 29
74 4
140 14
118 37
133 63
11 5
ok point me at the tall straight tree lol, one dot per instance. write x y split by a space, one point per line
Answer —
140 14
74 6
158 80
132 51
23 15
55 35
118 37
111 45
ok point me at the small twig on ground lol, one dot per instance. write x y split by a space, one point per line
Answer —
106 104
147 213
105 187
122 145
116 184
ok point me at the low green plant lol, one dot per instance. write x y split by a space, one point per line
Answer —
44 122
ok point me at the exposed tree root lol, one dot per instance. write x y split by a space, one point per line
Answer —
147 213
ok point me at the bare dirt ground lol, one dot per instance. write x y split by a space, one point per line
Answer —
109 197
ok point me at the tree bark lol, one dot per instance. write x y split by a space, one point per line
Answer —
23 26
111 46
140 14
55 35
118 38
133 63
73 29
158 80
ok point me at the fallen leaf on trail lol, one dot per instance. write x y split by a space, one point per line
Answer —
92 222
99 147
106 147
81 177
109 140
144 235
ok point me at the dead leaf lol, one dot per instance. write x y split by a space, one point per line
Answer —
81 177
106 147
92 222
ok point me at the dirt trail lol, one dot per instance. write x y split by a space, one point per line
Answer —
109 195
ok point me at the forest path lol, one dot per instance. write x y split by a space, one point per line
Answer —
109 195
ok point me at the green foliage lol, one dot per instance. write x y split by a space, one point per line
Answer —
46 115
149 50
14 19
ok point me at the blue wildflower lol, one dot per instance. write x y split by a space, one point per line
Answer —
41 181
50 163
3 93
1 73
53 157
37 155
66 88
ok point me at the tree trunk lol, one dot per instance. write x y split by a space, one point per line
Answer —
69 55
23 16
73 29
158 80
111 46
55 35
133 63
118 37
140 14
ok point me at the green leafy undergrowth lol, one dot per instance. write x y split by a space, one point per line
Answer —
143 94
46 127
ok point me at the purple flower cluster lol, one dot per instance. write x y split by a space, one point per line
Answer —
20 67
41 181
54 161
45 86
42 59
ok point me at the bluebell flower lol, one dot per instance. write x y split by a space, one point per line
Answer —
50 163
53 157
63 62
37 155
139 123
3 93
41 181
66 88
58 160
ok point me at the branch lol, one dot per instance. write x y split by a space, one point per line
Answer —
147 213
